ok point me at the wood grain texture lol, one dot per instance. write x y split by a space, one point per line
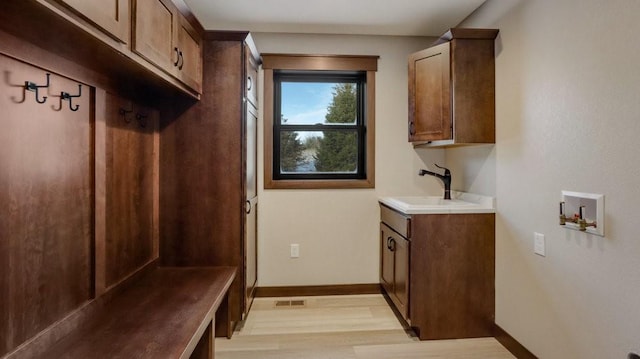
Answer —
130 181
163 316
202 198
112 16
344 327
46 181
76 320
452 286
452 89
189 43
57 30
473 81
430 94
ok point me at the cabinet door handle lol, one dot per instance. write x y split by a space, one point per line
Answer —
412 128
393 245
249 83
177 56
247 207
181 61
390 242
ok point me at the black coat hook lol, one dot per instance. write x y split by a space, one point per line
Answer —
31 86
142 119
123 112
65 96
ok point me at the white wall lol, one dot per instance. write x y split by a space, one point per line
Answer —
568 118
338 229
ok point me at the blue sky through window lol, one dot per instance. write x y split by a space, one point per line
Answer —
306 103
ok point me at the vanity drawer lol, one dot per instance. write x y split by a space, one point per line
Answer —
397 221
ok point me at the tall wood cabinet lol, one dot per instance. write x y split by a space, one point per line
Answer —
208 185
452 90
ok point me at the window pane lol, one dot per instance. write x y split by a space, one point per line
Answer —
310 103
317 152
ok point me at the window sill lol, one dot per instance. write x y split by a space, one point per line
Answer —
318 184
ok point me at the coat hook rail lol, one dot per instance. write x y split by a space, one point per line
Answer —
32 86
65 96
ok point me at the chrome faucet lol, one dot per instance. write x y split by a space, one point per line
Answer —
446 179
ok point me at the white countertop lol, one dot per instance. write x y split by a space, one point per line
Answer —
460 202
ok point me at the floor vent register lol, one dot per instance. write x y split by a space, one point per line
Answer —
289 303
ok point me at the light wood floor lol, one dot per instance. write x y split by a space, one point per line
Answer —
340 327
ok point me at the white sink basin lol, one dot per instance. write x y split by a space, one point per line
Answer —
430 201
460 203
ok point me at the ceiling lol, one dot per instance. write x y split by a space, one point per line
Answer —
361 17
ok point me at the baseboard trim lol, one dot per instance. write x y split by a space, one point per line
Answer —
512 345
317 290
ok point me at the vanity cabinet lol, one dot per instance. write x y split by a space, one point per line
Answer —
111 16
445 287
394 273
452 90
165 38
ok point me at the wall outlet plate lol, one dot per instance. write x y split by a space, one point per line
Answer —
538 244
295 251
594 210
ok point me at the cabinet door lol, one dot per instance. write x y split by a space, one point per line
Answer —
401 274
189 48
112 16
251 66
386 259
154 32
251 202
429 95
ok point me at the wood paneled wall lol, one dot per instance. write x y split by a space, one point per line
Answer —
46 196
78 194
131 156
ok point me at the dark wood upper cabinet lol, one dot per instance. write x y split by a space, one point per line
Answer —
165 38
154 24
452 90
189 45
112 16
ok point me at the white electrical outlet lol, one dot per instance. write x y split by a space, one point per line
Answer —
538 244
295 251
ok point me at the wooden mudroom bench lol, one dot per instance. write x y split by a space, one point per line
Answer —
168 313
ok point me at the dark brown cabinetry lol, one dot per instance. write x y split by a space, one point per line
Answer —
165 38
452 90
112 16
451 272
209 193
394 272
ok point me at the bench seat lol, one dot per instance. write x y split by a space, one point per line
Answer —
169 313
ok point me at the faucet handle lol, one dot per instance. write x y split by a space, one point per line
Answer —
446 170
